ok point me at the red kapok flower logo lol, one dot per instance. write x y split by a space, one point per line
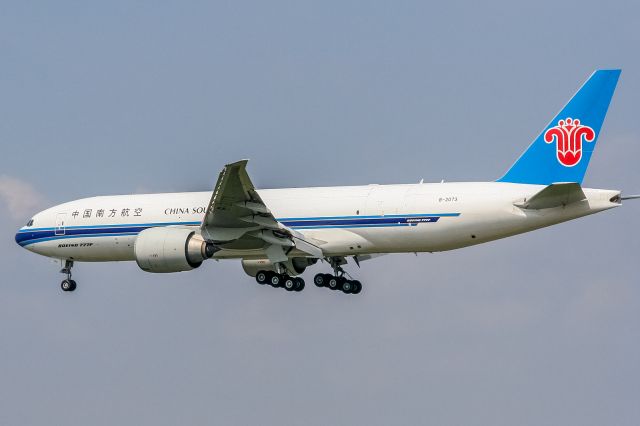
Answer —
569 134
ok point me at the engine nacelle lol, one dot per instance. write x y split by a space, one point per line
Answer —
295 266
169 249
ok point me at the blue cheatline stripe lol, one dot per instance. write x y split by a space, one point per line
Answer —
284 219
35 235
148 225
381 225
361 221
65 237
28 236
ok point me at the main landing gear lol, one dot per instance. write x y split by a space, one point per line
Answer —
338 281
280 280
67 284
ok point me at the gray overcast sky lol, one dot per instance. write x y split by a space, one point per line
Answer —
124 97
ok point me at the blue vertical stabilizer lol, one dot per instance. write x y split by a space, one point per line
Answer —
561 153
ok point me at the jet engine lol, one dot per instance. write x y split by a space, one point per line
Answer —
295 266
169 249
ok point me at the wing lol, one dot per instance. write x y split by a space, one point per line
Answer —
238 219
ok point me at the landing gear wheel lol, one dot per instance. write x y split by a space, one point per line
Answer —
335 283
320 280
68 285
299 284
276 280
289 283
357 287
347 287
262 277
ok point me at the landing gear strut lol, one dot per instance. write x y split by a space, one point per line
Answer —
67 284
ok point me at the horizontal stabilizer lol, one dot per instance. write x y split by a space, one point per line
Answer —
554 195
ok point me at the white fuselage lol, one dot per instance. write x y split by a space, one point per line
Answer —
346 220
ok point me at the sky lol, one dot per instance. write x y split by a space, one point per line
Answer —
129 97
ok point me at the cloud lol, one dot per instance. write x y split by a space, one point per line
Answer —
20 197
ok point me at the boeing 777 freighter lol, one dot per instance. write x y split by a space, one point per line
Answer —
278 233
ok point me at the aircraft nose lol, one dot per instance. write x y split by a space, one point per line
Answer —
22 237
25 234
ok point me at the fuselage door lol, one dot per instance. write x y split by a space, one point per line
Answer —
61 218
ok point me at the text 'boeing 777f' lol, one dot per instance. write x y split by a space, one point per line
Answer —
278 233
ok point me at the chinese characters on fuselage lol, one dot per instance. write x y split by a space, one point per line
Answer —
132 212
99 213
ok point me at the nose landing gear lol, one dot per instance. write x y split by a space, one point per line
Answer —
67 284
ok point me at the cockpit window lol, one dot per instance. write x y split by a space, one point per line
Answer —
30 223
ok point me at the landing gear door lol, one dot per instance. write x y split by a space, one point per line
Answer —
61 218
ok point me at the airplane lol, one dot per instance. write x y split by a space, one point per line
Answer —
279 233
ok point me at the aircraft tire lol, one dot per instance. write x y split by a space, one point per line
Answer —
262 277
276 280
320 280
289 283
335 283
68 285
